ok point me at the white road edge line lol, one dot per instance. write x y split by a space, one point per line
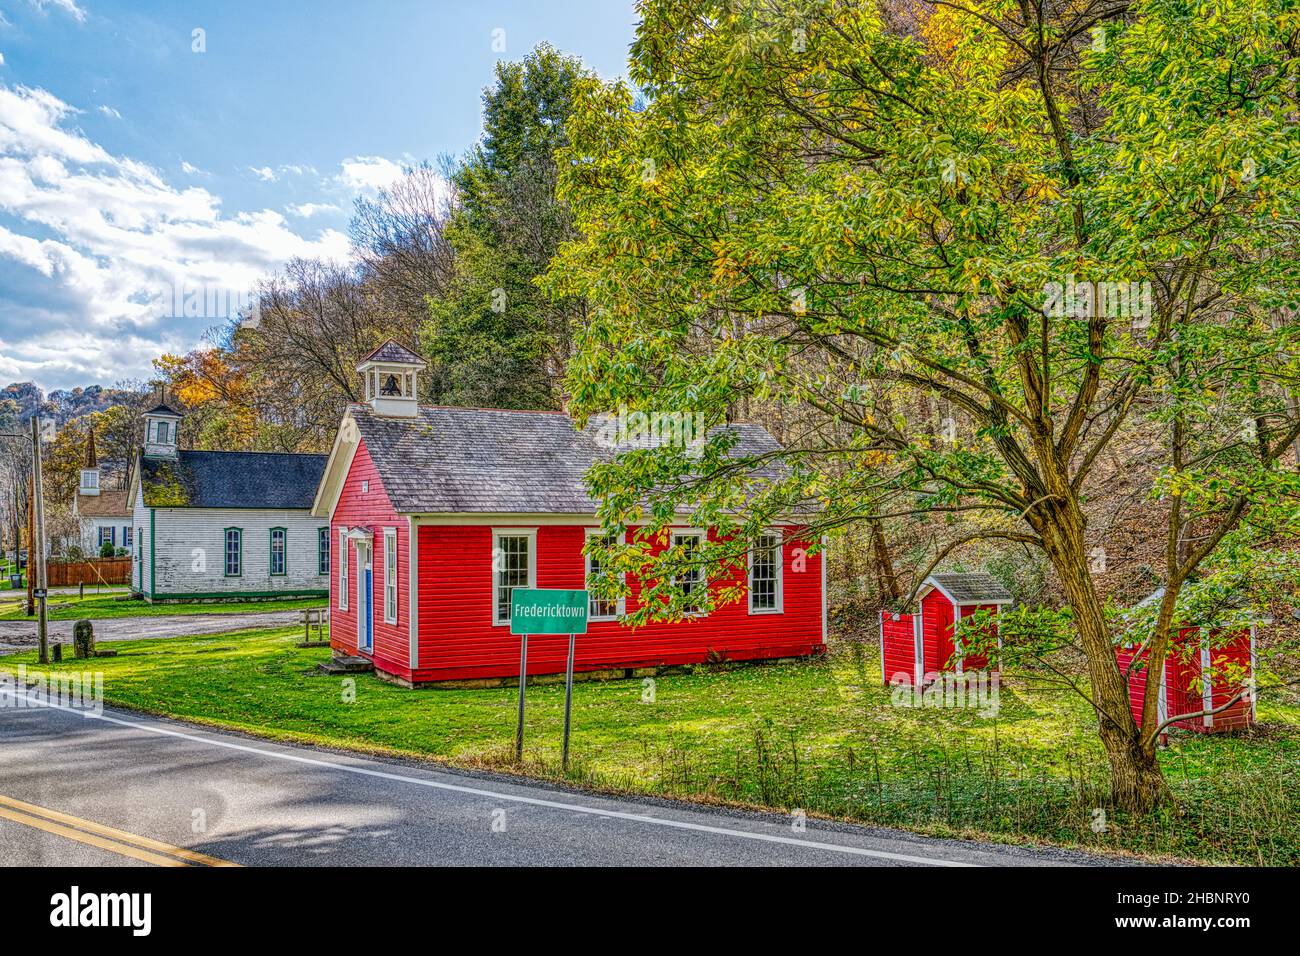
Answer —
497 795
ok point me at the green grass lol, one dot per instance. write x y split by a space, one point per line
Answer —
820 736
93 607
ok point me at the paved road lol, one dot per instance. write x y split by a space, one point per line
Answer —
126 789
21 635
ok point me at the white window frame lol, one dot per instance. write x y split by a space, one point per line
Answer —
390 575
703 535
620 608
90 479
497 535
343 569
323 538
779 594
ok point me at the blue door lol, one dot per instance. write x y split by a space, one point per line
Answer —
368 606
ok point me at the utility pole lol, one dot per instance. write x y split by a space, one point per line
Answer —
31 538
42 623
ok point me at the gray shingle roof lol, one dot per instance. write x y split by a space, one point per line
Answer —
455 460
392 351
231 479
973 587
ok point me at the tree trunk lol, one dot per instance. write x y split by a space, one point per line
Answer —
1137 783
884 565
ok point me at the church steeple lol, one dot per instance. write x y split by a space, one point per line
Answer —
90 473
161 424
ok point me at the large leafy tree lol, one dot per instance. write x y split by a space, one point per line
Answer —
1072 225
493 337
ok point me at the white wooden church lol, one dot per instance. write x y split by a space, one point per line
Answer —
224 525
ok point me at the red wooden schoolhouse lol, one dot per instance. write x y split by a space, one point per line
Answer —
435 514
915 647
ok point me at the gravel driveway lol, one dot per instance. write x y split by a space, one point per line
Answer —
21 635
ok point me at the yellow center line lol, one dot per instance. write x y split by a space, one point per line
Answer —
90 832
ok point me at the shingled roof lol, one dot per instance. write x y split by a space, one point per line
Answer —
973 587
231 479
106 504
458 460
392 351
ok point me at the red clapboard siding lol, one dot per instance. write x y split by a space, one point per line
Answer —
974 662
457 639
936 626
1183 691
899 647
370 509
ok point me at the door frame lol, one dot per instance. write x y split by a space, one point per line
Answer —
365 597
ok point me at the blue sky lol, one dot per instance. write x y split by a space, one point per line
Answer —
136 169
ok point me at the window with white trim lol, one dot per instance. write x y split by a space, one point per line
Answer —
691 580
390 575
343 569
513 566
323 551
765 575
106 536
601 609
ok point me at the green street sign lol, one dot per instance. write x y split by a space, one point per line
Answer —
547 611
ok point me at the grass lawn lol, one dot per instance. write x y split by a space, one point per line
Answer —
820 736
70 608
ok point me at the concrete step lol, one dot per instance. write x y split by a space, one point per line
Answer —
347 665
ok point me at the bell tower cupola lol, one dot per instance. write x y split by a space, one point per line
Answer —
389 373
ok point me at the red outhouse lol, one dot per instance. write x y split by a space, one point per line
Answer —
915 647
436 514
1183 687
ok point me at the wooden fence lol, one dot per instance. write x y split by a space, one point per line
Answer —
98 571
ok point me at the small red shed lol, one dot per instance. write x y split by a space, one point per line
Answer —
915 647
436 514
1183 687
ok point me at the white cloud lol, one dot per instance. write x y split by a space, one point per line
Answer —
99 242
368 172
109 112
2 56
67 6
191 170
308 209
265 173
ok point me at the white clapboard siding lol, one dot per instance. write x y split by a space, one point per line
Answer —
140 573
190 553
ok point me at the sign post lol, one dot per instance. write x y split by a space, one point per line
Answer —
546 611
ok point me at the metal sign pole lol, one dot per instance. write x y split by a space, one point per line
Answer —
523 681
568 702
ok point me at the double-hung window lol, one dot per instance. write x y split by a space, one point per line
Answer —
234 564
600 609
765 575
279 545
513 566
323 551
343 569
691 580
390 575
